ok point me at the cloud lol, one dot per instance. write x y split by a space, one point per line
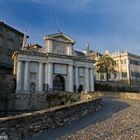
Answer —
105 24
71 5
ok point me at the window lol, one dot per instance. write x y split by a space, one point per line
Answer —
1 30
10 45
109 76
134 62
11 35
115 75
81 71
114 63
124 74
102 76
123 61
135 74
33 76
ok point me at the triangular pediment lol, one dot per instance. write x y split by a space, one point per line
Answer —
61 37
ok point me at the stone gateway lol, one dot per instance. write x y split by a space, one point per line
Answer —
56 66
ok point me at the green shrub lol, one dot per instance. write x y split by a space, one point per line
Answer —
108 86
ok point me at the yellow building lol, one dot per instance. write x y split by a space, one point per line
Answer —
127 66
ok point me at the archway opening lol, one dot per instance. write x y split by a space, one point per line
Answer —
32 88
59 83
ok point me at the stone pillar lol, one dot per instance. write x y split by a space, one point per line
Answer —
46 77
91 80
120 70
76 78
26 76
50 76
50 46
128 72
70 78
14 70
19 76
87 79
40 76
69 50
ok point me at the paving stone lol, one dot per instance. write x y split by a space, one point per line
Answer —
123 124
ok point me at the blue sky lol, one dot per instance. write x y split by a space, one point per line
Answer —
105 24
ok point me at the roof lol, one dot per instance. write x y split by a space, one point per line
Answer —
80 53
11 28
53 36
35 45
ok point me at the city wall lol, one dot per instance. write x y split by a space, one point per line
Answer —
26 125
121 95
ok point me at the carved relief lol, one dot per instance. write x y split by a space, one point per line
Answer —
59 48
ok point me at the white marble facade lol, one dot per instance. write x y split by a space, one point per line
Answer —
54 67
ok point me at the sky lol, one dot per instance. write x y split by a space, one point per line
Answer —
104 24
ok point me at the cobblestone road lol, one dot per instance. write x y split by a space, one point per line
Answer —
122 122
116 120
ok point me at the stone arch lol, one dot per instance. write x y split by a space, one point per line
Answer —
32 87
59 83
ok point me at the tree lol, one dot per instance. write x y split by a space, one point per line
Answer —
105 64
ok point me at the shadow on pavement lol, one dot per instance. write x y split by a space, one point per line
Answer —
109 107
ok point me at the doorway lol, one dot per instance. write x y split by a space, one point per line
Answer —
59 83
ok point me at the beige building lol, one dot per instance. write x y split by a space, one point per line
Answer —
10 40
127 67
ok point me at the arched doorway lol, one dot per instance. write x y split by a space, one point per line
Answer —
32 88
59 83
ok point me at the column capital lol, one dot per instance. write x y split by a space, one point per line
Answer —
76 66
27 61
50 62
20 61
40 62
70 65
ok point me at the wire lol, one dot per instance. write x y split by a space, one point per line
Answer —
56 19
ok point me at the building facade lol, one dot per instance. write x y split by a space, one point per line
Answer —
10 40
57 66
127 66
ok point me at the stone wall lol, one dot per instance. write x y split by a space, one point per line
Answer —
26 125
36 101
6 88
28 101
121 95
